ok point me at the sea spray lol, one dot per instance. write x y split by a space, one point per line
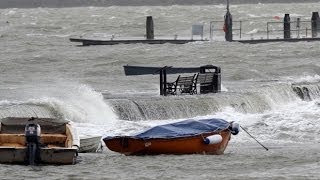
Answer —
81 104
75 102
295 122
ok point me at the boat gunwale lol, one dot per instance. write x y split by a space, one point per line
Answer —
187 136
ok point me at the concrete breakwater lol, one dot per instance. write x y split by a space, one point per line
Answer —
79 3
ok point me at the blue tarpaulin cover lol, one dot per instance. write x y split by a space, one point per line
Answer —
183 129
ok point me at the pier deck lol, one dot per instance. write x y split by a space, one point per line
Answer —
89 42
256 41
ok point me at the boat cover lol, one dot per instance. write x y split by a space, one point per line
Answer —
183 129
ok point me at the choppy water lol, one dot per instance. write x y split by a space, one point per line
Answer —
272 89
79 3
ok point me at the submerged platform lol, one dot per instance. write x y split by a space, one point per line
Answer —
89 42
256 41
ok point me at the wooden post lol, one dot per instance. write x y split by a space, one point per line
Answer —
298 27
164 82
286 27
161 82
227 27
217 80
315 24
149 28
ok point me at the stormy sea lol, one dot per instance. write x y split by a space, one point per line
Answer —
271 89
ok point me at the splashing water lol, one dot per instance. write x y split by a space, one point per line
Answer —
80 104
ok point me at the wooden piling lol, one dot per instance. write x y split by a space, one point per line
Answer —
164 82
286 27
217 80
227 27
161 83
149 28
315 24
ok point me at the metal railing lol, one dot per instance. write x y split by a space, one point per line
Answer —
212 27
300 27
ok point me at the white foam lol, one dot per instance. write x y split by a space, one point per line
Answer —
81 104
5 102
253 16
10 12
305 78
76 102
254 31
223 88
294 122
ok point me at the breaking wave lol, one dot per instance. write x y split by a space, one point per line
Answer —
77 103
254 100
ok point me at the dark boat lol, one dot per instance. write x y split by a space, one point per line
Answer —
207 136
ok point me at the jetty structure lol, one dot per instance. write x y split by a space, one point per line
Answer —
310 34
287 29
149 37
305 30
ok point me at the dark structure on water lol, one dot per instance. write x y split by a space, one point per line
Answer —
228 32
207 78
149 28
227 27
315 24
150 39
90 42
287 31
286 27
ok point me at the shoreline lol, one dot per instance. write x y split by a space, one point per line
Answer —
4 4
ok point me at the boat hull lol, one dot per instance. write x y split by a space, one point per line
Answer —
18 155
182 145
58 142
89 145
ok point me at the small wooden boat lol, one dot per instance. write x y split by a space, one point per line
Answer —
37 140
90 144
207 136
